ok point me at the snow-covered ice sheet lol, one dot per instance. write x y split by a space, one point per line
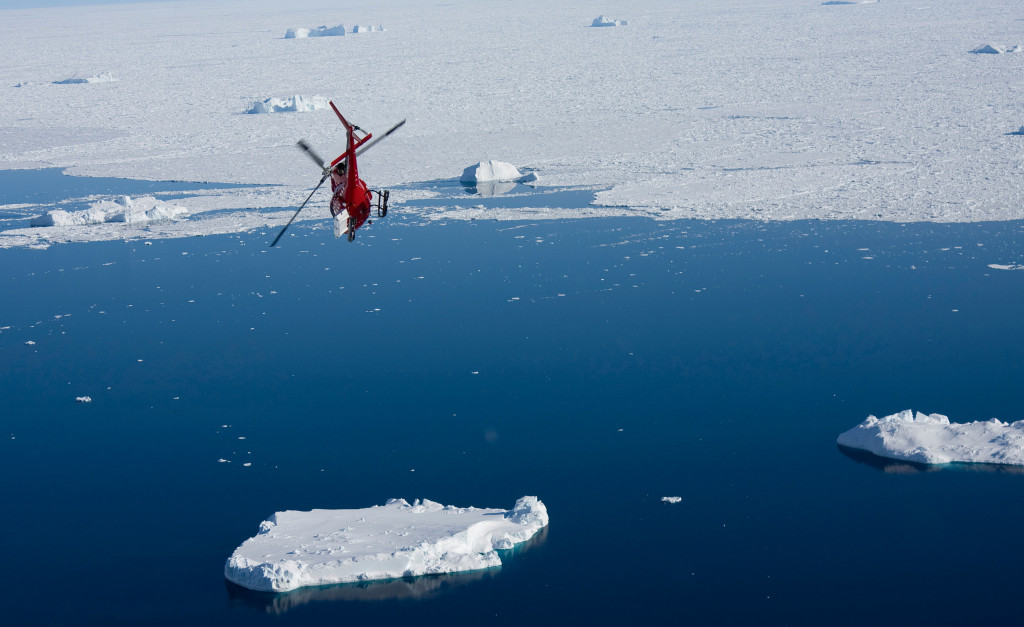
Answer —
933 439
762 109
295 549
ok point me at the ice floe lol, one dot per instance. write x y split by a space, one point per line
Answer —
765 146
290 104
295 549
933 439
123 209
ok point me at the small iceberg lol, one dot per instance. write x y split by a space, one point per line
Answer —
124 209
319 31
933 439
291 104
324 546
81 79
492 178
602 21
995 49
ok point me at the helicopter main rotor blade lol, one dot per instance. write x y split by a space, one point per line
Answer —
386 133
312 154
296 214
374 141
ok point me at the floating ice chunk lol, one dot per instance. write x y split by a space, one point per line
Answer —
290 104
671 499
319 31
102 77
83 399
933 439
295 549
601 21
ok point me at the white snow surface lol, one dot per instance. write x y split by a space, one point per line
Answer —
295 549
760 109
933 439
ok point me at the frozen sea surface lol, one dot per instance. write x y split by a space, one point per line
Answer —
601 364
753 109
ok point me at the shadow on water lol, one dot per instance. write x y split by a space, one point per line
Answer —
403 589
903 467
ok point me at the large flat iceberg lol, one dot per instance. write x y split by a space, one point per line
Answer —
323 546
933 439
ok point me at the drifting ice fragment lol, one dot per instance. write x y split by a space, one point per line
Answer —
933 439
295 549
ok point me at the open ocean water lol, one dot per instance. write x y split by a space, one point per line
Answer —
598 364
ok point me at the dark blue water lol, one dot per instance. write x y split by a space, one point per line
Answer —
598 364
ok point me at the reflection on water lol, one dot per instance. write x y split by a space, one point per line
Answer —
404 589
902 467
490 188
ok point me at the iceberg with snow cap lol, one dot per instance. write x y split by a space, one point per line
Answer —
295 549
933 439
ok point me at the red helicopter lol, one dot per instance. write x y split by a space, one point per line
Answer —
351 199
